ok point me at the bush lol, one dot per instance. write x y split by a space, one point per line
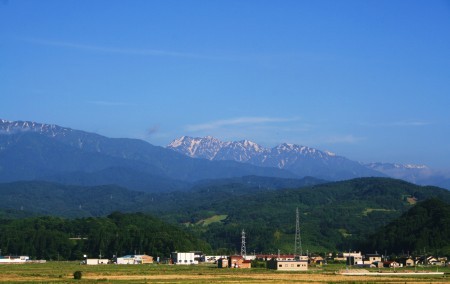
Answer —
258 264
77 275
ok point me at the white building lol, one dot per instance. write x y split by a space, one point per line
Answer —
352 258
184 258
214 258
96 261
135 259
14 259
288 265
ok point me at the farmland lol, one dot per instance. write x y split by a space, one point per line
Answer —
62 272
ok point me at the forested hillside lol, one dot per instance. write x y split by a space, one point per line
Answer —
425 227
118 234
333 216
45 198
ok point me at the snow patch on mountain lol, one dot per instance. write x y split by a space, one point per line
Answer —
13 127
283 156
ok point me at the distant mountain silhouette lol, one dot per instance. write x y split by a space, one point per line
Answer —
35 151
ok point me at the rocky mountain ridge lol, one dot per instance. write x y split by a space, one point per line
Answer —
304 161
37 151
301 160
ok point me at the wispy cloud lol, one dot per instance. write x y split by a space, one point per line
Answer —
410 123
406 123
117 50
239 121
111 103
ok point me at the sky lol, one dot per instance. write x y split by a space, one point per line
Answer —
366 79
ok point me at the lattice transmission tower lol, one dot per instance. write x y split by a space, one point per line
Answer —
243 248
298 239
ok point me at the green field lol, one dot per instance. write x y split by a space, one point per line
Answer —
212 219
62 272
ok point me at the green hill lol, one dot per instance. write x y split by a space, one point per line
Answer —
118 234
45 198
426 226
334 216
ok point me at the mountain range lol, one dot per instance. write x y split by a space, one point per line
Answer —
303 161
213 188
36 151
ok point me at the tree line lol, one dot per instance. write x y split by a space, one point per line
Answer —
55 238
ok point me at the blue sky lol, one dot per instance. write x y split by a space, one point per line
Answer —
368 80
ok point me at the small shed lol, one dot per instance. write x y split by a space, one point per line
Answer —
222 263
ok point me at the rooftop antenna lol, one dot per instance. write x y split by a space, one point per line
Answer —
298 240
243 249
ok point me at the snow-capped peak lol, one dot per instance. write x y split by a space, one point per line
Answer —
11 127
212 148
330 153
380 165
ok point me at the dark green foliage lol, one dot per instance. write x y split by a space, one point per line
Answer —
118 234
77 275
333 216
426 226
47 198
258 263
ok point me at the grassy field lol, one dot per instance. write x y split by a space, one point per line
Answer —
62 272
212 219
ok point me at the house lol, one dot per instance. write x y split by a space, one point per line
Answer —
371 258
185 258
267 257
214 258
135 259
406 261
317 260
442 260
144 259
354 256
288 265
375 264
199 256
391 264
238 261
427 260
